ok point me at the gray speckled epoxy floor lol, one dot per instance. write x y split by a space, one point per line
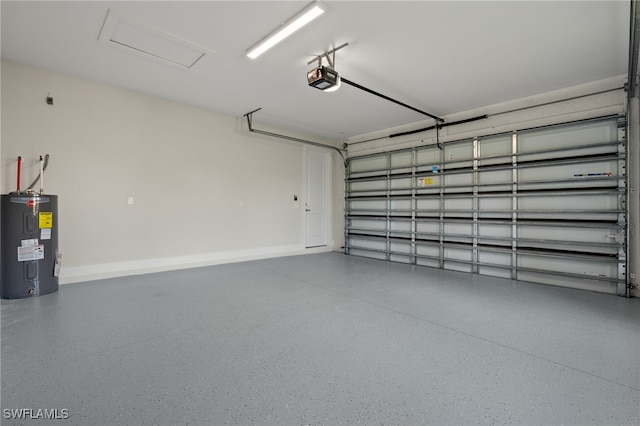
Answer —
322 339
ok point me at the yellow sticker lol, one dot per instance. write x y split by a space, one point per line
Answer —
45 219
425 181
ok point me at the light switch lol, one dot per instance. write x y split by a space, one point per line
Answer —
130 200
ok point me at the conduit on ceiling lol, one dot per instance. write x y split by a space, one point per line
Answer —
249 117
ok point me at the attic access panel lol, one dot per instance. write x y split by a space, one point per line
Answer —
151 42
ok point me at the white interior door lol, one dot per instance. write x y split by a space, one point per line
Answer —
317 197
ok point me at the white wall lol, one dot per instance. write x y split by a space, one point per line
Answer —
205 190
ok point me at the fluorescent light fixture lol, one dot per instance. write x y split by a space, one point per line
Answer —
301 19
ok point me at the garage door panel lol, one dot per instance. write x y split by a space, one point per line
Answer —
567 247
453 181
372 225
459 154
495 176
570 175
494 272
400 205
489 258
504 259
372 186
458 204
569 233
571 282
464 263
401 160
429 155
570 203
427 227
575 135
588 268
458 229
428 249
605 183
399 248
401 227
401 183
400 258
428 207
367 253
494 151
428 185
368 164
495 203
494 215
525 158
503 231
368 248
583 217
368 205
428 263
545 205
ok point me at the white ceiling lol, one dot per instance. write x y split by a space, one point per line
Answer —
438 56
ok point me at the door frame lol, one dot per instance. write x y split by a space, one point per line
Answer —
328 195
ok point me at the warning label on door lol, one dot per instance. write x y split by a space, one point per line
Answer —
30 253
45 219
29 243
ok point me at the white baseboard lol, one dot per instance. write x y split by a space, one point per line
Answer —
73 274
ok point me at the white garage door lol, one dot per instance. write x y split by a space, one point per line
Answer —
546 205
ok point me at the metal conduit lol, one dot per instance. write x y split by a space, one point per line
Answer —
249 117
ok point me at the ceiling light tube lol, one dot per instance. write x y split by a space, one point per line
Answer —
301 19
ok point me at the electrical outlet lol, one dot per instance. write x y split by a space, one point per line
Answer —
130 200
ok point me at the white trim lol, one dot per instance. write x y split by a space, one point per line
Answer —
328 193
75 274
